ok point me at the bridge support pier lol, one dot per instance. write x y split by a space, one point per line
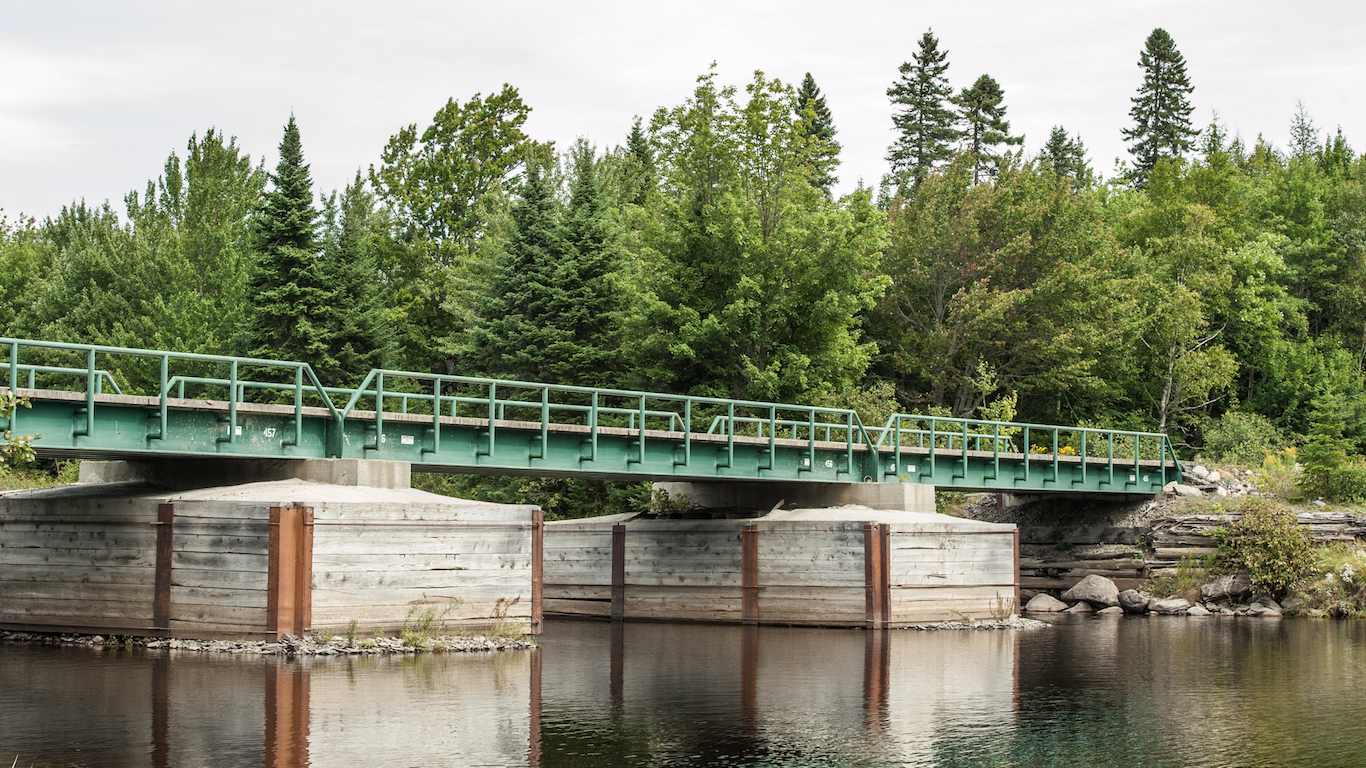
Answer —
905 497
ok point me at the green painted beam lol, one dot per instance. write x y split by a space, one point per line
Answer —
541 429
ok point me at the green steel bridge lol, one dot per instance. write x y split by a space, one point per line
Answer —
197 406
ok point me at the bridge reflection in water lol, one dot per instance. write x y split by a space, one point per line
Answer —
595 694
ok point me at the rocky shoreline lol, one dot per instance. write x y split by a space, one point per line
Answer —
1013 622
1226 596
289 645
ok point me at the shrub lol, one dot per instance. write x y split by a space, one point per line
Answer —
1242 437
1337 581
1280 475
1267 544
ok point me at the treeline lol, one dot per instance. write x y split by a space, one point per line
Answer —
1216 290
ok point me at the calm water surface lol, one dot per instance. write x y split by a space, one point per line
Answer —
1088 692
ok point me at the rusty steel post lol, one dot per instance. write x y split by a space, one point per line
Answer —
749 575
161 600
537 568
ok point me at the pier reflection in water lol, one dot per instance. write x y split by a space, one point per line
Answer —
1089 692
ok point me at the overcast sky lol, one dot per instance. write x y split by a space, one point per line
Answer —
94 95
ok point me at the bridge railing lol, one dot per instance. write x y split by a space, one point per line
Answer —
305 381
547 405
1037 443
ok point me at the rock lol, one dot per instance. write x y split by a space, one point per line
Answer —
1227 611
1292 604
1169 487
1171 606
1045 603
1113 610
1234 585
1213 477
1221 491
1189 491
1257 609
1097 590
1340 611
1133 601
1318 503
1081 607
1200 471
1315 613
1197 610
1266 601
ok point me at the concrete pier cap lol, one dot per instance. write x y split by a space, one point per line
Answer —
907 497
188 474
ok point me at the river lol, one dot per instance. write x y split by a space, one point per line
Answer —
1089 691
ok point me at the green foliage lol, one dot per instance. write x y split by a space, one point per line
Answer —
1336 584
360 330
15 450
422 623
924 119
1162 108
1245 438
752 281
1267 544
1280 474
1065 156
1184 580
559 498
986 126
820 127
292 302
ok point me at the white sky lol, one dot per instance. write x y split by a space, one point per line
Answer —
94 95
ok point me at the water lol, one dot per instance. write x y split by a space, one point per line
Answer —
1131 692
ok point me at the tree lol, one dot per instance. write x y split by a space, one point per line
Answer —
820 127
291 305
512 338
986 126
361 332
1162 108
1065 156
445 188
923 118
645 176
754 281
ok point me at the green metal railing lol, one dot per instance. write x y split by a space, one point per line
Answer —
540 418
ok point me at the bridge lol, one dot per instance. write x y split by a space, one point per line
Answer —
83 404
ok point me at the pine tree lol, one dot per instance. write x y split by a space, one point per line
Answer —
820 128
986 126
926 124
1304 135
290 305
511 337
1065 156
361 335
1162 108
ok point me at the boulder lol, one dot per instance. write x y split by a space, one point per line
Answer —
1267 601
1113 610
1292 604
1197 610
1171 606
1257 609
1044 603
1099 591
1081 607
1133 601
1187 490
1213 477
1232 586
1200 471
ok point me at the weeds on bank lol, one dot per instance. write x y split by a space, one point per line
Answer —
1336 583
502 626
1190 573
423 623
351 633
1268 544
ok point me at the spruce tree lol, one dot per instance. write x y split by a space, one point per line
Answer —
820 128
512 336
646 174
291 308
1065 156
1162 108
923 117
986 127
583 306
360 335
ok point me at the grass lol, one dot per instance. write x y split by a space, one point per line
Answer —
1190 573
1337 582
423 623
504 627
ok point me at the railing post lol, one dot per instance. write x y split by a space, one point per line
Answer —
379 410
299 406
1025 447
436 414
14 367
161 391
